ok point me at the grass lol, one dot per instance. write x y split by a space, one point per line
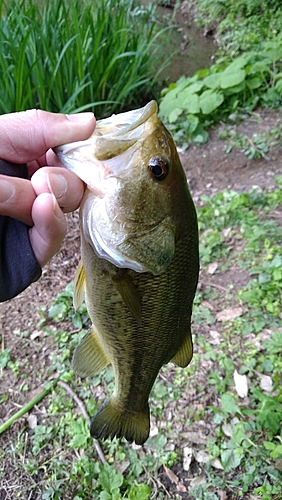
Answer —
64 55
234 441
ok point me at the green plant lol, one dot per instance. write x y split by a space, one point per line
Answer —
76 55
190 105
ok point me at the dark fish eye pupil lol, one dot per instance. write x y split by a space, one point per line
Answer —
158 167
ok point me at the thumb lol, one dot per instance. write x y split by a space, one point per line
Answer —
27 135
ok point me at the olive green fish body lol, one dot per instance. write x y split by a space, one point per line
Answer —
139 286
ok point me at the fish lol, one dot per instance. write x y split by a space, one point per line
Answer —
139 263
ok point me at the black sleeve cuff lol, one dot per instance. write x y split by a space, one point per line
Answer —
18 265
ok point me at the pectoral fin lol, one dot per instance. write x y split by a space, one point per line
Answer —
89 356
79 286
183 357
129 293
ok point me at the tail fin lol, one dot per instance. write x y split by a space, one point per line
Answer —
111 421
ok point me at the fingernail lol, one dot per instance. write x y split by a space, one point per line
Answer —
56 209
6 191
57 184
81 117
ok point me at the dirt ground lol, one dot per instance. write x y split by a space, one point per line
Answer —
209 170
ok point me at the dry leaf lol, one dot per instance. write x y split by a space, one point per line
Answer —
171 476
187 457
222 495
215 337
278 464
212 268
217 464
266 383
227 429
208 305
241 384
32 421
202 456
181 488
35 334
229 313
196 481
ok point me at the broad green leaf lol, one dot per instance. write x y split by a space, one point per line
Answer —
278 85
174 115
254 83
110 479
230 460
140 492
191 103
229 79
240 62
228 404
209 101
213 81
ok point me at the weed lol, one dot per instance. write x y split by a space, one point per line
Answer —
93 55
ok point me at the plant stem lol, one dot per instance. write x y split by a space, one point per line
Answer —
29 405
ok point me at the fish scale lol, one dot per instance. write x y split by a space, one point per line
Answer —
139 274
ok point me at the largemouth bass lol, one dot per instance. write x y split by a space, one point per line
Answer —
139 262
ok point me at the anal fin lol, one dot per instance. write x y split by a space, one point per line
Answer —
89 356
183 357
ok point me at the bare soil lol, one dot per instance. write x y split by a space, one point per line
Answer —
209 170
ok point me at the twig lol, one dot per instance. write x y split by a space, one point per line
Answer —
29 405
207 283
83 410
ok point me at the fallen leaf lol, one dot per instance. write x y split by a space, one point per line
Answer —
215 337
226 231
241 384
229 313
266 383
278 464
181 488
194 437
208 305
171 476
32 421
227 429
222 495
187 457
196 481
154 431
122 466
202 456
217 464
35 334
212 268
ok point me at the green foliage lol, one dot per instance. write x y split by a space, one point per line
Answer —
75 55
62 308
192 104
241 25
244 444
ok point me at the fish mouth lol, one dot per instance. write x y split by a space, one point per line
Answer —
114 144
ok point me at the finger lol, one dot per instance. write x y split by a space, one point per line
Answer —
66 186
16 198
27 135
49 228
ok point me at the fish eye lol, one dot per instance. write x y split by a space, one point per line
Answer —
158 167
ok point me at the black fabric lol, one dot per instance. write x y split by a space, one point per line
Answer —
18 265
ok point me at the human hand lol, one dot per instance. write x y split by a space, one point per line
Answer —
27 137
